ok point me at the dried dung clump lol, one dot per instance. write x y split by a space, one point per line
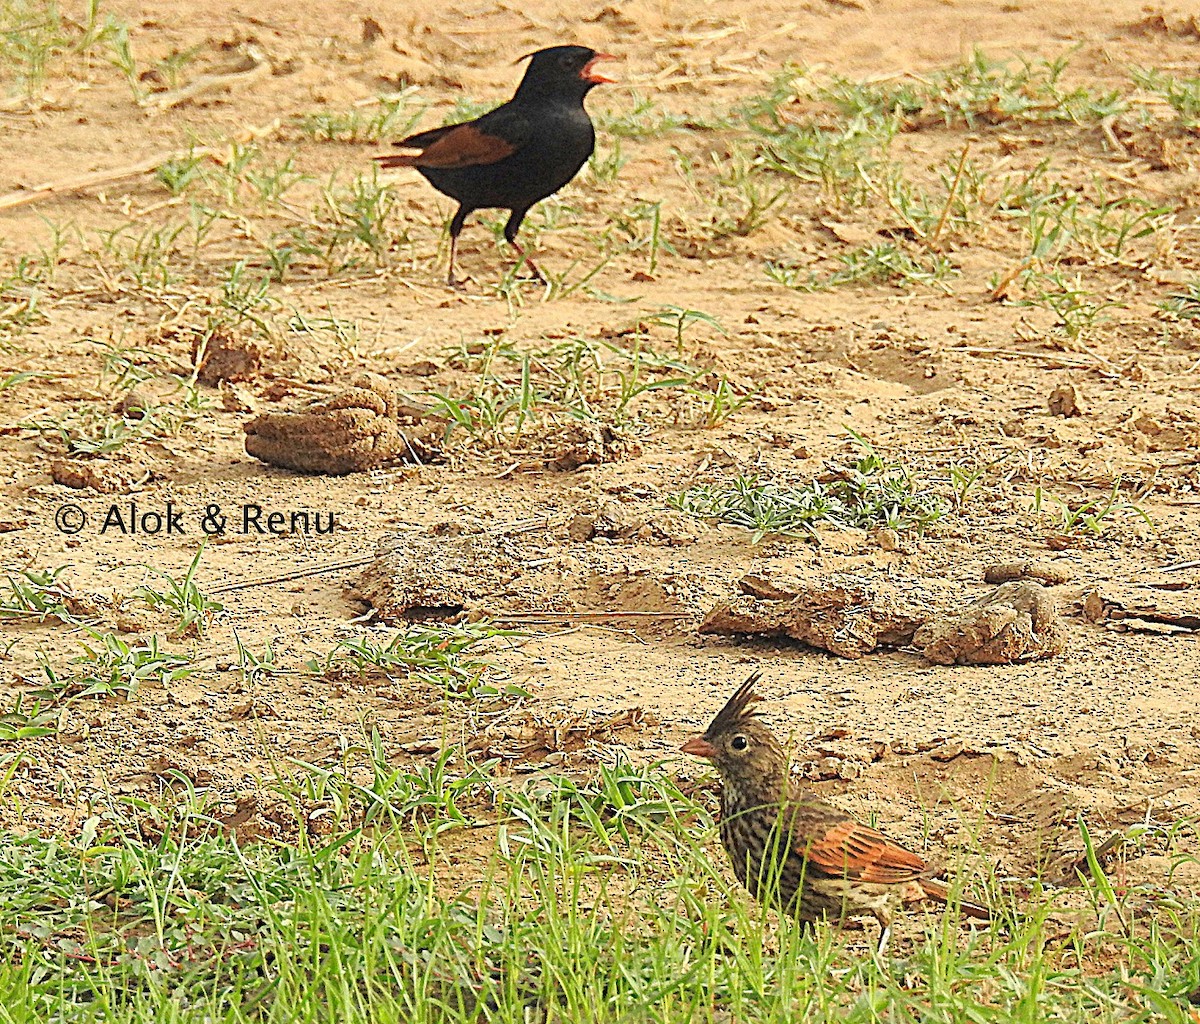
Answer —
840 613
1017 621
435 575
355 430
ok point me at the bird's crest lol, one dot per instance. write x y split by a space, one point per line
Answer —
737 708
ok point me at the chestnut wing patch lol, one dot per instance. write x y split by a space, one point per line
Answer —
854 851
487 140
464 146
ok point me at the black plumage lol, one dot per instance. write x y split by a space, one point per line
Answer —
519 153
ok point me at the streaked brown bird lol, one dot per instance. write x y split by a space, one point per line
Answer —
519 153
790 848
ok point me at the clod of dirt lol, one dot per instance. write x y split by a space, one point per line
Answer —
1064 401
372 31
839 613
618 522
1165 23
1050 573
887 539
351 432
1061 542
1135 612
228 356
948 751
582 527
424 368
135 403
236 399
615 521
583 444
1016 622
421 576
104 477
612 520
766 589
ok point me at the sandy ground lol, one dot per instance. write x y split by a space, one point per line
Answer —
1011 753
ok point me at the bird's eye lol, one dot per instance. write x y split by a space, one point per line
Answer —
739 743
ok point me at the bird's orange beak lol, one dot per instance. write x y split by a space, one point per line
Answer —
588 74
700 747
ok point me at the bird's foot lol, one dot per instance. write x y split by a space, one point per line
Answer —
459 284
523 258
534 274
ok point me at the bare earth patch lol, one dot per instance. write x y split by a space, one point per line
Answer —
958 294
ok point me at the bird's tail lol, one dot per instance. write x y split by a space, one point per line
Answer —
386 160
938 891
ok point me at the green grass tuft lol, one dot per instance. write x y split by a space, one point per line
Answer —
868 493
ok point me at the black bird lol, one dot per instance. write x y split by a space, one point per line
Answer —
517 154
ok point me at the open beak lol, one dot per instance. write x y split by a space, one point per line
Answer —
588 74
700 747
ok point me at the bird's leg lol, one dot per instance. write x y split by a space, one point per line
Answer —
510 234
884 918
456 226
523 257
884 937
454 282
